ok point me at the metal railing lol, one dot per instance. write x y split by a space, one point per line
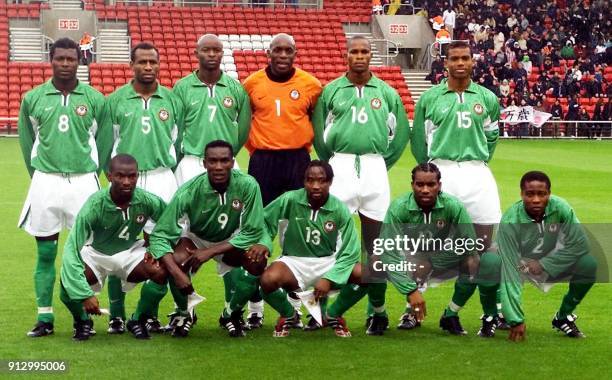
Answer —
388 53
217 3
554 129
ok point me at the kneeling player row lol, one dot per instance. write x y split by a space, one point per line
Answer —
219 215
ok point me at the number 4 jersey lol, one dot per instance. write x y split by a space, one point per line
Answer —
57 132
455 126
106 228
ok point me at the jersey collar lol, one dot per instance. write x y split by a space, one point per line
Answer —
345 82
133 94
198 83
413 205
303 200
50 88
471 88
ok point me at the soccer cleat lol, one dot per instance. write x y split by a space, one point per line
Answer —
567 326
283 326
339 325
172 319
254 321
408 321
82 330
501 323
489 325
234 324
312 324
378 325
297 321
182 325
154 326
138 329
452 325
41 329
116 326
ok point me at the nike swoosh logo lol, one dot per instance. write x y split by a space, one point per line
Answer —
445 110
128 114
341 103
48 109
194 103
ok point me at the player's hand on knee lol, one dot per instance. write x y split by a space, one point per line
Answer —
150 260
517 333
197 258
257 253
417 303
322 288
92 306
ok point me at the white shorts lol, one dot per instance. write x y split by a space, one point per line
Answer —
54 200
367 193
473 183
308 270
222 268
120 264
160 182
191 166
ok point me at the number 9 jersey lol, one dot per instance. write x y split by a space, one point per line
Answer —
57 132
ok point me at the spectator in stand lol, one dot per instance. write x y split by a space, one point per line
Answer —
591 87
512 21
585 128
504 88
449 17
568 51
523 22
556 110
598 115
437 68
498 41
573 109
377 8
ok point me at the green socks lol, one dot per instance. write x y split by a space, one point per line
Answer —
278 300
376 296
349 295
75 307
44 278
464 289
244 286
151 295
116 298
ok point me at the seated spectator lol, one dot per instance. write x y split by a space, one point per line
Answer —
498 41
568 51
512 21
556 110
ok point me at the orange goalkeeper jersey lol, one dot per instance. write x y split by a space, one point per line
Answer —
281 111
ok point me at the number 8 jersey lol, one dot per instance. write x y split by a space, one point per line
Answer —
57 132
455 126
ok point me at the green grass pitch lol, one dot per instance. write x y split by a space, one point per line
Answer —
581 172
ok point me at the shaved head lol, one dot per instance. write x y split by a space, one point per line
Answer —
282 37
355 39
210 39
122 159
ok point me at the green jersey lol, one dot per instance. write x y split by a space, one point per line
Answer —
146 129
360 120
106 228
218 112
328 231
57 132
236 214
455 126
431 234
558 241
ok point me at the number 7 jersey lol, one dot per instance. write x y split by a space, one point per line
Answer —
455 126
57 132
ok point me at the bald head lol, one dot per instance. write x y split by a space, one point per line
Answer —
282 38
355 39
210 40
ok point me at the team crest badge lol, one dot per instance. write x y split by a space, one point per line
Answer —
376 103
478 109
294 94
329 226
81 110
163 115
440 223
140 218
236 204
553 228
228 102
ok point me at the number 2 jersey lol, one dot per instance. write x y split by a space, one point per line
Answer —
57 132
360 120
236 214
558 241
455 126
304 232
106 228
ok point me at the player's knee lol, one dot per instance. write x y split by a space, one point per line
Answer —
355 277
269 281
490 267
158 274
256 268
587 266
470 264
